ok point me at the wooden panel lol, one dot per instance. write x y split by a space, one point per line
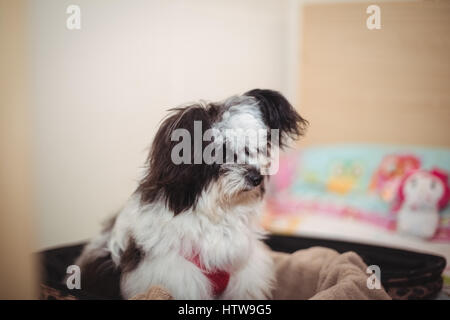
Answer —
380 86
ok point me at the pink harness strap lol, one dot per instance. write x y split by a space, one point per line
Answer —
218 278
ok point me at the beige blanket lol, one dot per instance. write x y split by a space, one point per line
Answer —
315 273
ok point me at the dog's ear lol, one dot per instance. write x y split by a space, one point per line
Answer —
178 184
279 114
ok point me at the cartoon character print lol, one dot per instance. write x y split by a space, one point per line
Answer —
390 172
344 176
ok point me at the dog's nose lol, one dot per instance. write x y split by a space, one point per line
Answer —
254 178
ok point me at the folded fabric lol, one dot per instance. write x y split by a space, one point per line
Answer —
323 274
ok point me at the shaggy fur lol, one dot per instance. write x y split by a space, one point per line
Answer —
187 209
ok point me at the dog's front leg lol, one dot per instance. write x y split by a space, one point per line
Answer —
255 280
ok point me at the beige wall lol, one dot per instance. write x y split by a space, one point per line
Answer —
17 267
98 93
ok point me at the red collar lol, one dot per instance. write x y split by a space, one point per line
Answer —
218 278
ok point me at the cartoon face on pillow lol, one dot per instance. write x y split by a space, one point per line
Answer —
423 190
389 174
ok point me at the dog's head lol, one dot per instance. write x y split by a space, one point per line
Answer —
221 151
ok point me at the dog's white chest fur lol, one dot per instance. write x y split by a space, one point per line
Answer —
231 244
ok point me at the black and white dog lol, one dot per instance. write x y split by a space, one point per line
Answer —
192 225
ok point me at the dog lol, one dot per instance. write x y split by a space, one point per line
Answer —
191 226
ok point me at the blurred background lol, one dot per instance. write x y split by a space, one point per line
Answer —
80 106
100 92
